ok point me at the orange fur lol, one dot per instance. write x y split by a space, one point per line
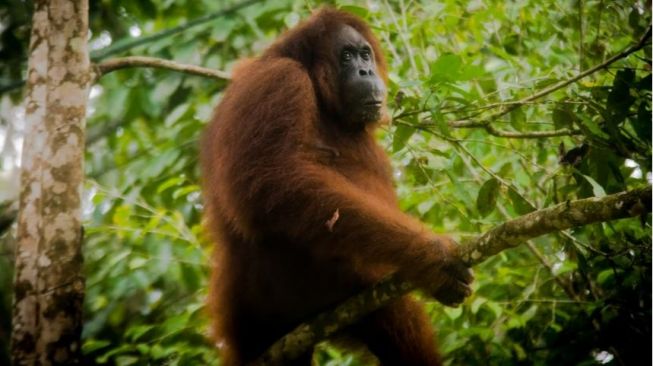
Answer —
276 167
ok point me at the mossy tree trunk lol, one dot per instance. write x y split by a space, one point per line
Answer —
48 285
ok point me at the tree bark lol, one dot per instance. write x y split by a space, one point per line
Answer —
48 285
507 235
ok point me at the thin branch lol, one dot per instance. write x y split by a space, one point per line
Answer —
499 133
559 217
129 43
565 285
466 124
530 135
108 66
546 91
507 235
507 107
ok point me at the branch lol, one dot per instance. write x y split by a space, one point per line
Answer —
7 217
511 106
510 134
108 66
546 91
530 135
560 217
129 43
507 235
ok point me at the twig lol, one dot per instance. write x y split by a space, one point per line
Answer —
565 285
508 107
530 135
499 133
108 66
546 91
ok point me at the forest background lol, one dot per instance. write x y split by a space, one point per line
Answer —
485 129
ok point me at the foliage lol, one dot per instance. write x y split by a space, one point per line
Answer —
576 297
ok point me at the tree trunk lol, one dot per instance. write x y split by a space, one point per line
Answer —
48 285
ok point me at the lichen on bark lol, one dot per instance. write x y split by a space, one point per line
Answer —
49 288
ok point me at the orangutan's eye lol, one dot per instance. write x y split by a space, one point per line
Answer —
346 56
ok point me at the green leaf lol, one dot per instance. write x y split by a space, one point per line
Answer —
476 304
471 72
496 308
222 28
505 170
123 348
126 360
418 170
487 197
160 162
136 332
94 345
144 349
401 135
121 215
137 262
566 266
190 276
176 114
176 323
446 68
529 314
158 352
440 123
426 205
605 276
517 118
185 191
520 204
562 118
169 183
593 127
357 10
642 124
596 188
453 313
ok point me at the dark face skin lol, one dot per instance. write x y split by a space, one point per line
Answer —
361 89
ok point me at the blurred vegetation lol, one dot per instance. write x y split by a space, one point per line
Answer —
578 297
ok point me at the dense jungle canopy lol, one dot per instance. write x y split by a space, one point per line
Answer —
499 109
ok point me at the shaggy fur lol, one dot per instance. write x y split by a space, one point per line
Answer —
304 210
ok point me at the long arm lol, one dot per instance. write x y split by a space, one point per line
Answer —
314 204
289 193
